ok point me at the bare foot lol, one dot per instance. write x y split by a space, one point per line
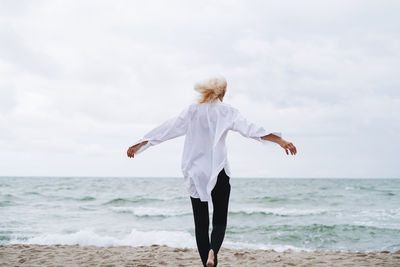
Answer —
210 260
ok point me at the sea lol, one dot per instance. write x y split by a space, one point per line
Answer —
280 214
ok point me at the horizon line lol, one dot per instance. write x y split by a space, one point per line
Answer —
180 177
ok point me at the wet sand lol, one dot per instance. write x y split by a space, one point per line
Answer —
155 255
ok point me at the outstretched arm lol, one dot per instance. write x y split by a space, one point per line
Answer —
283 143
250 130
171 128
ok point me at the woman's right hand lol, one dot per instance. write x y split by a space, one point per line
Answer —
288 146
133 149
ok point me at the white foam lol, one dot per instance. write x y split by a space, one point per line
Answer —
175 239
280 211
382 214
135 238
152 211
244 245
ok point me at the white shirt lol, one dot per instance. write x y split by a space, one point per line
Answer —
206 126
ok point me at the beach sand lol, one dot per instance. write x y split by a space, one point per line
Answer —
155 255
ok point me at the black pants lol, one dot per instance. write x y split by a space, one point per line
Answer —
220 199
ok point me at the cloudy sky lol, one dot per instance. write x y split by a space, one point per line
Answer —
80 81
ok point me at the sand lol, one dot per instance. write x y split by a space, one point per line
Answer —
155 255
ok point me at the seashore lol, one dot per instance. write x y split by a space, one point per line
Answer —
161 255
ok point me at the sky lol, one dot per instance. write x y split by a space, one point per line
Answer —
81 81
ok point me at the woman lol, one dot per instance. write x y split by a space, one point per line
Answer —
204 162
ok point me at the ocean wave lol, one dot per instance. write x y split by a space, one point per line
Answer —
168 212
382 214
322 237
87 198
272 199
321 228
302 232
123 201
89 237
7 203
177 239
9 197
278 211
32 193
151 211
371 188
245 245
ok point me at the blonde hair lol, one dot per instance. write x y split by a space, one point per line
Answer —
211 89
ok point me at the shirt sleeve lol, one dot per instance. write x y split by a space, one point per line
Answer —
250 130
172 128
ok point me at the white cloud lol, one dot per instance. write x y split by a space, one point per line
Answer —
82 80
